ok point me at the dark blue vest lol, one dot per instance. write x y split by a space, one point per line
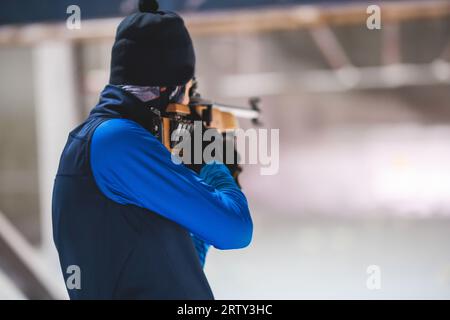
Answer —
123 251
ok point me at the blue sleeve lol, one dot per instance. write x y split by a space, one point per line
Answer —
131 166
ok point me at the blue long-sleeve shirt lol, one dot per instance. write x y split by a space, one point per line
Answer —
131 166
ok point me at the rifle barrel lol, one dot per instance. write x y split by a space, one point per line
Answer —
240 112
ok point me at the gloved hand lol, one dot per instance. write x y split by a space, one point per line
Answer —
228 142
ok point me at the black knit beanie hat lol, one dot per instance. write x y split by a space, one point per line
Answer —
152 48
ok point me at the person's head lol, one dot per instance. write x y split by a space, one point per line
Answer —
153 48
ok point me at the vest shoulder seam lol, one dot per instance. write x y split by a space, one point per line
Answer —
75 136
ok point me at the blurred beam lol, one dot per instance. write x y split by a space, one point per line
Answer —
335 55
344 79
330 47
8 289
391 41
26 265
239 21
57 113
445 54
307 16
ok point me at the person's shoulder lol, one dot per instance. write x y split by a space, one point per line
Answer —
115 128
121 135
121 130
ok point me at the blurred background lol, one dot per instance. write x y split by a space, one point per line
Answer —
364 120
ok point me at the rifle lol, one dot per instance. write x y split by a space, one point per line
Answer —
213 115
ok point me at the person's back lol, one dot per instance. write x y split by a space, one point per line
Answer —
123 212
122 251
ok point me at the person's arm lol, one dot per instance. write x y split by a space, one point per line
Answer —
131 166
